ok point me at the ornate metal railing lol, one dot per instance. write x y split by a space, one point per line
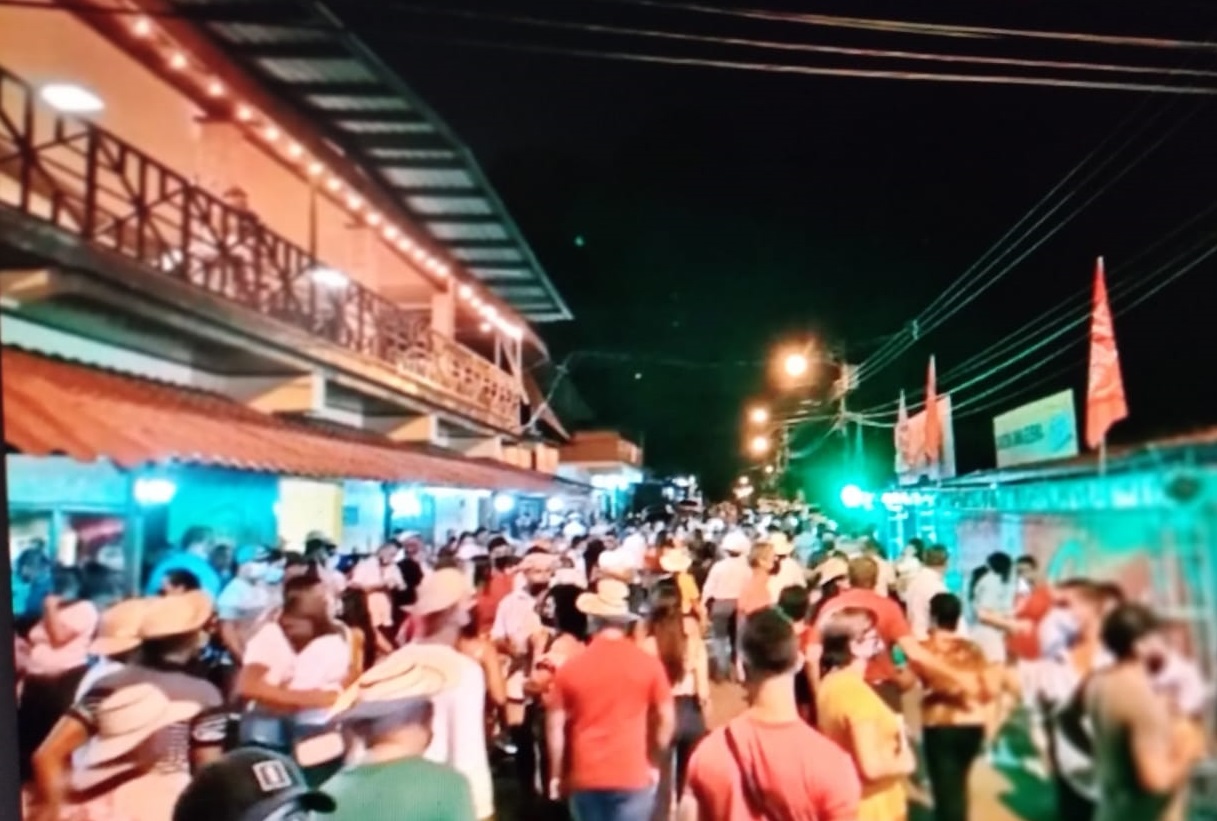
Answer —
86 181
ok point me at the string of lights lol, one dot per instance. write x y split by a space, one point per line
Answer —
341 189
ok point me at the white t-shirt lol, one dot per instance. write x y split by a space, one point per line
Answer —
458 732
924 585
322 665
81 619
371 574
726 579
245 603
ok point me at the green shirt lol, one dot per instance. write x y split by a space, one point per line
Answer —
412 788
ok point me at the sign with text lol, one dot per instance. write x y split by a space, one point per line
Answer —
1039 431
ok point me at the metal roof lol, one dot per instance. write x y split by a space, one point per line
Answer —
302 52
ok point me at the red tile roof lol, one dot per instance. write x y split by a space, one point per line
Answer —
56 407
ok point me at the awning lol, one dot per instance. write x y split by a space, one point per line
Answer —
55 407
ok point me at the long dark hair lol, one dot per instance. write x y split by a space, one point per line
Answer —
355 614
666 623
1001 564
567 617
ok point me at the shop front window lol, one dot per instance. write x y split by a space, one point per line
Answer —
38 539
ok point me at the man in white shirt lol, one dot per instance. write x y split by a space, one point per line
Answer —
926 583
458 726
789 572
724 584
380 577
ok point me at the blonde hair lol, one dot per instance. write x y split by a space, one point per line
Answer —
761 555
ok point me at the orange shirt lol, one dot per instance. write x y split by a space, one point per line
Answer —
889 621
795 771
755 595
1033 607
607 692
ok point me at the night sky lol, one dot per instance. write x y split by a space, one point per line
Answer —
695 217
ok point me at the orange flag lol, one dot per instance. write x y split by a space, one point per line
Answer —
1105 402
903 462
933 425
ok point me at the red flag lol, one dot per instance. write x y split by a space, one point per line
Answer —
933 426
1105 402
903 462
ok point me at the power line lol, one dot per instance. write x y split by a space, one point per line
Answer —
781 45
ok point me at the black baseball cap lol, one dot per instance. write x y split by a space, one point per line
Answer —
248 785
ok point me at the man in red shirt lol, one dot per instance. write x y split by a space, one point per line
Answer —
893 628
611 716
768 764
1024 642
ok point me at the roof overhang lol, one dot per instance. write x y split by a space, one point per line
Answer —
301 52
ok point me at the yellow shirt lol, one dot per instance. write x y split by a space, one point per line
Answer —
689 594
844 697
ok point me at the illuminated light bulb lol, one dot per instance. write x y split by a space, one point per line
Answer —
295 151
271 133
491 312
315 168
405 245
244 113
373 218
354 201
443 270
333 184
215 89
142 27
177 61
485 327
418 254
391 232
465 292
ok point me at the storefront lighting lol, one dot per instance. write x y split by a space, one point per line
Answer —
71 98
178 61
390 232
215 89
330 278
295 151
853 496
373 218
354 202
504 503
333 184
315 169
555 504
405 503
271 133
465 292
150 491
244 113
142 27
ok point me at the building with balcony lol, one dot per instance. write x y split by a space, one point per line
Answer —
608 462
234 245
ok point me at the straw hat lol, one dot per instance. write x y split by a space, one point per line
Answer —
675 560
616 564
440 590
121 628
416 672
782 546
736 543
610 601
125 719
176 615
834 568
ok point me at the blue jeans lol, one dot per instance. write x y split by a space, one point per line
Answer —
613 805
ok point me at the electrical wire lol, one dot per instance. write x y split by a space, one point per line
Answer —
780 45
927 29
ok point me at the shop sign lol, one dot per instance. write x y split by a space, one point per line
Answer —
1039 431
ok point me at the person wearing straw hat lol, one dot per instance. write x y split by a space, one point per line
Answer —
171 636
676 562
724 585
251 785
611 716
390 712
442 610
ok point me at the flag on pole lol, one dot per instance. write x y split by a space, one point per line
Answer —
933 425
1105 402
903 462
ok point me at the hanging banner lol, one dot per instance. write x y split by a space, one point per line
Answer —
912 463
1039 431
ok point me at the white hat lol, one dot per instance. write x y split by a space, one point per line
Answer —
616 563
736 543
469 550
675 560
833 568
125 719
176 615
121 626
610 601
782 546
440 590
414 673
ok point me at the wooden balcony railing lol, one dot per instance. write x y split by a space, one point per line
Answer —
86 181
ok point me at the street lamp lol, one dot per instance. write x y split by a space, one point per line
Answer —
759 444
758 415
796 364
768 469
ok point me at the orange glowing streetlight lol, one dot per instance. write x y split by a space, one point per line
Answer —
759 444
796 364
758 415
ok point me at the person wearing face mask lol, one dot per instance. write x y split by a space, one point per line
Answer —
851 713
1143 756
245 600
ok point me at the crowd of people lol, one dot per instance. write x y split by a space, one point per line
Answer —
277 685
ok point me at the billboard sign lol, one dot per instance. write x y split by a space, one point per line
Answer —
1039 431
912 463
